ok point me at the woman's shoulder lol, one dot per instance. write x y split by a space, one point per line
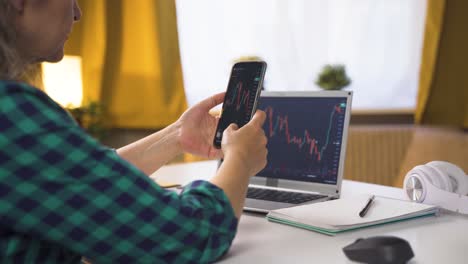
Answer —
18 95
23 91
13 87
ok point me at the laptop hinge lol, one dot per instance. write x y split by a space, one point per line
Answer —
272 182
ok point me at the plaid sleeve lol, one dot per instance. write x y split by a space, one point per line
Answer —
62 187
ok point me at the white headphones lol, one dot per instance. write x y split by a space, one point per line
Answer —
438 183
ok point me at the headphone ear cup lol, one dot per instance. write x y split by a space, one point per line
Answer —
456 175
415 184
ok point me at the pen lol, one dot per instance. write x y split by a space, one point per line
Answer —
364 210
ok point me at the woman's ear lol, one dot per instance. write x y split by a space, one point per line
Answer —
18 5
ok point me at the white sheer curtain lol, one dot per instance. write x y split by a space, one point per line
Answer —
379 42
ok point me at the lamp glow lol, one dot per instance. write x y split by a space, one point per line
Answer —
63 81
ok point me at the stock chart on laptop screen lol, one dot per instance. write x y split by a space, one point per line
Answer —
305 135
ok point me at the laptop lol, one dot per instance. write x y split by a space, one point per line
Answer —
307 135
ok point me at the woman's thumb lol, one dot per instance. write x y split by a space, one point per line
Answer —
231 128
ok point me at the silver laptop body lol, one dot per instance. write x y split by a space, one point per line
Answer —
307 134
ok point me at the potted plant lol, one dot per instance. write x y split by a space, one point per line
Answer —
333 77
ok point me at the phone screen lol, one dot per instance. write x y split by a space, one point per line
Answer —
241 97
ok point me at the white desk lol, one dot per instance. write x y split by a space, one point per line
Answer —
442 239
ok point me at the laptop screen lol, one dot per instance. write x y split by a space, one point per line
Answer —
305 137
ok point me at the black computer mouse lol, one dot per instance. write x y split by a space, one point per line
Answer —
379 249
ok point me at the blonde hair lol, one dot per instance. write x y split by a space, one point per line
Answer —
10 61
12 65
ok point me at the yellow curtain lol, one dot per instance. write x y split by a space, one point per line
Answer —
88 40
443 88
131 61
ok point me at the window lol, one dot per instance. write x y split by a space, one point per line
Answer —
379 42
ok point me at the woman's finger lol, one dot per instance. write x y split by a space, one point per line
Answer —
212 101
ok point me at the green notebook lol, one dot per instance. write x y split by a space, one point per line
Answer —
336 216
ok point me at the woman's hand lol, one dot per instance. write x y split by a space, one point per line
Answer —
247 145
197 128
244 155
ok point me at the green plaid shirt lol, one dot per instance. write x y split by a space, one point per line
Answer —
63 196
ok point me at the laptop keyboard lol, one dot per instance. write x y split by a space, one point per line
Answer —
281 196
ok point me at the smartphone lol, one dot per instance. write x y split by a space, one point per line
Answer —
240 102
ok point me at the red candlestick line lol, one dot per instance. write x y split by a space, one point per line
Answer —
240 97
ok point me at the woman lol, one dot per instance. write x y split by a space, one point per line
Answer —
64 196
